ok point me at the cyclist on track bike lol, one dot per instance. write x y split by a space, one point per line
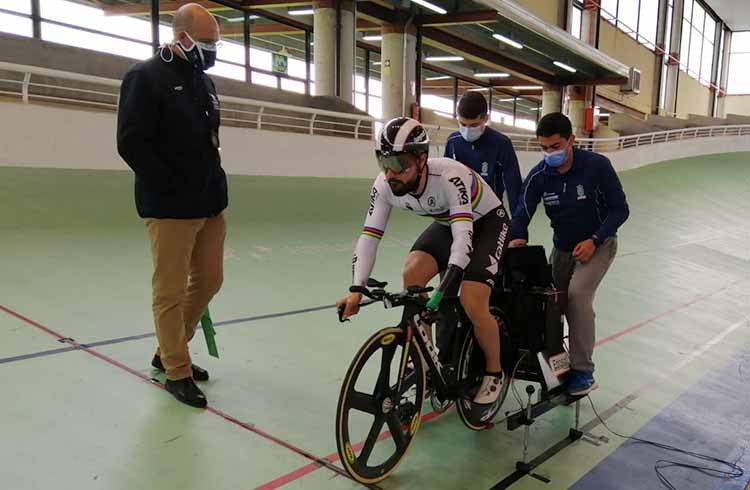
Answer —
466 240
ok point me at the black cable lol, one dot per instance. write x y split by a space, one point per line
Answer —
662 464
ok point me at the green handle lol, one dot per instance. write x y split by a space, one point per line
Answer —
208 330
434 303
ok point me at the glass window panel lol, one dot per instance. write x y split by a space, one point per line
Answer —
739 79
709 32
13 24
707 60
688 13
627 15
576 23
227 70
685 45
97 42
293 85
94 18
648 20
21 6
696 46
265 80
699 17
741 42
609 9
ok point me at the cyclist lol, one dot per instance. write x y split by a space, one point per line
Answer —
466 240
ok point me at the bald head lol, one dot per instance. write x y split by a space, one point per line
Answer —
196 21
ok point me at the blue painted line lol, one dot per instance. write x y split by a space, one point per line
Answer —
131 338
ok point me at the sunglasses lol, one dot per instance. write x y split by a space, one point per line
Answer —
395 163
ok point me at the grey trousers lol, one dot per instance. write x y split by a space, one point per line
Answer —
581 281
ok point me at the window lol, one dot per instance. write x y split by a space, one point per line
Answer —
637 18
697 48
739 60
15 17
575 28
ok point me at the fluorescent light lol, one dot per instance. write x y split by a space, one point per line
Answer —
431 6
478 90
240 19
492 75
565 67
507 100
508 41
377 63
444 58
432 79
527 87
373 38
302 12
443 114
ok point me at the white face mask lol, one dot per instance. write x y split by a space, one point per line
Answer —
471 134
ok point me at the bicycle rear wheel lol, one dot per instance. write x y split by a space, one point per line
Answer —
371 400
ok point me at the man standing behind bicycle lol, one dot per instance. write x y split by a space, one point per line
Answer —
466 240
584 200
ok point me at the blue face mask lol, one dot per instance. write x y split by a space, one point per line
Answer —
471 134
556 159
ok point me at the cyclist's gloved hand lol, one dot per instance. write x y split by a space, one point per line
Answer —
348 306
452 276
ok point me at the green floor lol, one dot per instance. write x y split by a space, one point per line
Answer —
75 259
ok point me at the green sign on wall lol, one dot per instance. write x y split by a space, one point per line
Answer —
280 61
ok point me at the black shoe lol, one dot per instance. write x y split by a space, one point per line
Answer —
187 392
199 374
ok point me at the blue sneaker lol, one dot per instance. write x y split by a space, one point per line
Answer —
581 383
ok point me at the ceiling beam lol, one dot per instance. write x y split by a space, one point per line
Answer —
458 18
480 54
275 3
164 7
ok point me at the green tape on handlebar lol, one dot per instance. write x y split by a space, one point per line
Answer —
208 331
434 302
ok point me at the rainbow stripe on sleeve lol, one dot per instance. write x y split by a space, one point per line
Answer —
373 232
453 218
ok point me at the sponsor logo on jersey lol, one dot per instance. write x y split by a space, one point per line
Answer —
463 194
373 196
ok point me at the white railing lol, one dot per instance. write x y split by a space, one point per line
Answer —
32 83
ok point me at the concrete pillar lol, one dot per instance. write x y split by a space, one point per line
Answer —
551 99
399 60
332 77
673 66
661 38
581 97
577 105
723 72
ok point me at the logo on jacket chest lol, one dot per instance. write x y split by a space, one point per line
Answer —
551 199
485 169
580 192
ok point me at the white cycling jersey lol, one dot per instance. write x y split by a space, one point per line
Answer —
454 195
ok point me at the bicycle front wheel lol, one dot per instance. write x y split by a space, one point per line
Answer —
380 405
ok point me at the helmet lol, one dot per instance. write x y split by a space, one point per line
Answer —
398 136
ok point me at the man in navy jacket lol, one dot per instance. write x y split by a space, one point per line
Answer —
586 205
483 149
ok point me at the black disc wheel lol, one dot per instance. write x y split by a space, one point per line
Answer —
379 410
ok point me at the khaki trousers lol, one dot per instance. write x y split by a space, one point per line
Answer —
188 256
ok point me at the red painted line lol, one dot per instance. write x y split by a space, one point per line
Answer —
319 462
664 314
306 470
332 458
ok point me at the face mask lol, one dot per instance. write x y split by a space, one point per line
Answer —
472 134
556 159
201 55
